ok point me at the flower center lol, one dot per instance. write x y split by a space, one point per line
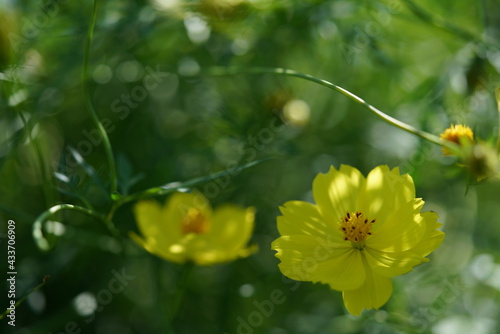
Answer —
194 222
356 228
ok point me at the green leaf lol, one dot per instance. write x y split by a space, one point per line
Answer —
126 177
6 148
88 169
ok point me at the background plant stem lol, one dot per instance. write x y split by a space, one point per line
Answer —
90 107
38 224
224 71
179 293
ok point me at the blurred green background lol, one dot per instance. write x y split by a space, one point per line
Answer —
429 65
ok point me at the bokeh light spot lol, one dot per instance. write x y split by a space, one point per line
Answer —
102 74
85 304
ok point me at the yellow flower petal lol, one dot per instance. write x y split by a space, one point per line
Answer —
304 218
299 254
392 264
344 271
229 234
198 250
385 190
232 224
161 250
374 293
138 239
309 258
336 192
152 222
400 230
432 238
146 214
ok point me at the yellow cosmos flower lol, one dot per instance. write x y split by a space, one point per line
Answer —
186 229
458 134
359 234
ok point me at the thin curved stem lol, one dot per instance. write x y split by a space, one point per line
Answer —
224 71
172 186
56 208
20 301
37 225
47 182
90 107
45 172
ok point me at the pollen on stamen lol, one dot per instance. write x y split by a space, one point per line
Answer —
194 222
356 228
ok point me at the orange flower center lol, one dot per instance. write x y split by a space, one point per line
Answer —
356 228
194 222
458 134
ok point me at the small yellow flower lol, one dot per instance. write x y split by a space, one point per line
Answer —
186 229
458 134
359 234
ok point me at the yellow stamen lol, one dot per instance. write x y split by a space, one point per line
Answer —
194 222
356 228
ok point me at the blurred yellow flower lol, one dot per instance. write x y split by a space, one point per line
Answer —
458 134
359 234
186 229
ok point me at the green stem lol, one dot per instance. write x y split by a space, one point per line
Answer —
497 98
90 107
158 268
484 19
180 291
19 302
224 71
47 183
440 24
46 178
85 202
56 208
38 224
114 206
172 186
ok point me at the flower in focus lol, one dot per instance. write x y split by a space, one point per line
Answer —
359 233
459 134
187 229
